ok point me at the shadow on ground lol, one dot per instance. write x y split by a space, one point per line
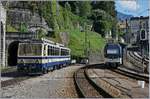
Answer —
100 66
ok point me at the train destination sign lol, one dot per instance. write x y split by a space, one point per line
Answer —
111 51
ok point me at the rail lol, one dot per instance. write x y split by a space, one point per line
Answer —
136 60
132 74
85 87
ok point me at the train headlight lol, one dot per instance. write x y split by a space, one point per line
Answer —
21 62
37 62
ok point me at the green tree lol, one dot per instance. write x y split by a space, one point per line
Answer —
23 27
66 15
84 8
103 16
108 6
41 33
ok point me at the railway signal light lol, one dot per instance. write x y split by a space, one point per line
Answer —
143 35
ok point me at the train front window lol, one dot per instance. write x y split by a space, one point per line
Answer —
112 53
30 50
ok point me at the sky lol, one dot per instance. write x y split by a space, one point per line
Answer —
133 7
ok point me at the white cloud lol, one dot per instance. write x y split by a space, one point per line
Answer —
129 4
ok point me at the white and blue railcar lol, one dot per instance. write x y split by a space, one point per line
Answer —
40 56
113 54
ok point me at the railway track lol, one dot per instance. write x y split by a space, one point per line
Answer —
138 62
85 87
138 58
119 85
132 74
105 87
138 54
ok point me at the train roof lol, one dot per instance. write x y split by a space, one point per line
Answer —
112 44
43 40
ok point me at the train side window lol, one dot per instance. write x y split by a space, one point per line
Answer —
52 50
44 50
60 52
48 50
65 52
57 51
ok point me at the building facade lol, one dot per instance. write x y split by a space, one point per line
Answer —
135 26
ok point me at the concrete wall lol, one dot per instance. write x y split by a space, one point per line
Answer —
2 34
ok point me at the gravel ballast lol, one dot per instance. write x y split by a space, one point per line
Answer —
56 84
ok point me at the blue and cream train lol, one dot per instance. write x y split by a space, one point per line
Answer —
113 54
40 56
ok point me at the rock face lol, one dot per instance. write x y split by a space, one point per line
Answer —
64 38
17 17
20 12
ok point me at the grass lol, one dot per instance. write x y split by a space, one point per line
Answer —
11 29
77 42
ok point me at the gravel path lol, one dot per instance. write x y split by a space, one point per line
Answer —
56 84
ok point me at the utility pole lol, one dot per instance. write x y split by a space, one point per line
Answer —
86 45
85 41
